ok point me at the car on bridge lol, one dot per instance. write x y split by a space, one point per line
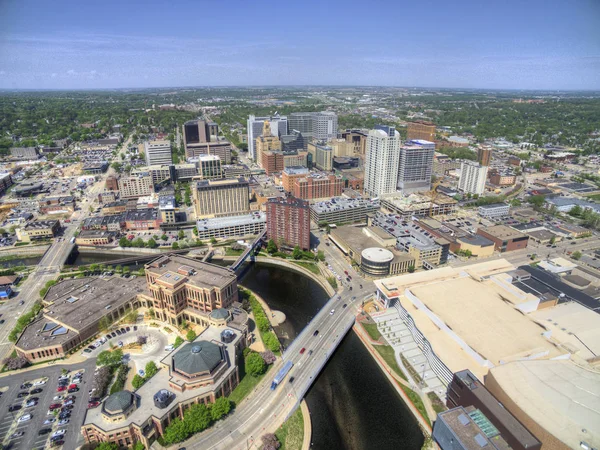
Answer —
302 350
316 332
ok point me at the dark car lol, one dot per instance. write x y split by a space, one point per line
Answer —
310 352
127 329
44 431
58 442
108 336
113 334
118 332
22 394
135 328
316 332
344 305
123 331
26 385
292 379
36 391
64 415
14 408
71 390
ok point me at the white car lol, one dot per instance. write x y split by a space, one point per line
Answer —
24 418
63 422
49 421
40 383
59 433
168 348
332 311
58 397
76 380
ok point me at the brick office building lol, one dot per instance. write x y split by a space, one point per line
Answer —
505 239
288 222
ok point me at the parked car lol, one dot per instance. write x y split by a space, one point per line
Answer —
14 408
59 433
44 431
54 406
63 422
18 434
93 405
22 394
40 383
26 385
71 390
24 418
49 420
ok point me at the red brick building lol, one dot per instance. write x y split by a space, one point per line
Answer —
288 222
505 239
318 185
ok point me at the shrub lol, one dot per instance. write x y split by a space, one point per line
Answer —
119 383
270 442
191 335
268 357
178 341
151 369
271 341
15 362
138 381
220 408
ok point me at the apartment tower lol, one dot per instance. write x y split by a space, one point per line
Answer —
382 159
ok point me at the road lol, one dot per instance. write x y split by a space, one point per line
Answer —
265 409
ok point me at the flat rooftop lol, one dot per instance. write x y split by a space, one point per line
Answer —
502 232
562 397
343 204
231 221
576 327
472 307
203 274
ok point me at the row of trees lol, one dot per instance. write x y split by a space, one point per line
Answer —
195 419
264 326
297 252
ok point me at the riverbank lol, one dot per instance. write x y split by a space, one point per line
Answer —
266 260
8 253
400 385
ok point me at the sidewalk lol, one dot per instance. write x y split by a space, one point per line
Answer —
307 426
75 359
275 317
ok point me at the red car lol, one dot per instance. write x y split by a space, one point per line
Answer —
93 404
303 350
73 386
61 388
54 406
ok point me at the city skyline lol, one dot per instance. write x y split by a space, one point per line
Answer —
504 46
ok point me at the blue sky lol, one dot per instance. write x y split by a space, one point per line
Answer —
508 44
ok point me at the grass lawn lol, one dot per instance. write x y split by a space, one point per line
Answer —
247 383
436 403
372 330
310 266
387 353
594 197
416 399
231 252
291 433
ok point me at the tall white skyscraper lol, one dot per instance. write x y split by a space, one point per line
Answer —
322 126
158 152
416 166
382 160
472 178
279 127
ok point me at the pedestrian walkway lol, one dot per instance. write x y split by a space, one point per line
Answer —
395 331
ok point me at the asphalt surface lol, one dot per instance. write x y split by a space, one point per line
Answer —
31 440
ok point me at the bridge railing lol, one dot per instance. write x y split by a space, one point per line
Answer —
303 389
250 249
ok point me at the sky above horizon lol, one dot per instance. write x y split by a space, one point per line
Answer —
498 44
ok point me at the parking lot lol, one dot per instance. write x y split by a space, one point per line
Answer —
24 427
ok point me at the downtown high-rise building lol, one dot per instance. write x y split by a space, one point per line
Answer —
382 160
158 152
255 125
415 166
321 126
484 156
288 222
472 178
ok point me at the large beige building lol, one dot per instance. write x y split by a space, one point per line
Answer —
266 143
226 197
43 229
159 173
341 147
322 156
136 186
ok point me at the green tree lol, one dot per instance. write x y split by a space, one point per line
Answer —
411 268
576 211
137 381
181 234
138 243
124 242
552 240
213 240
104 323
175 246
271 246
271 341
297 252
109 358
107 446
151 369
139 446
321 255
178 341
576 255
197 418
255 364
536 200
190 335
164 237
176 431
151 243
220 408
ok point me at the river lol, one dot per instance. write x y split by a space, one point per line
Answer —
352 404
